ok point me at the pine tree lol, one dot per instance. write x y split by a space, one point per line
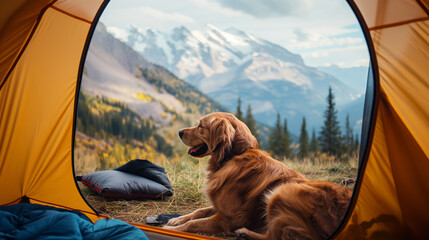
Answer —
303 141
314 144
286 140
330 135
348 138
251 123
356 143
239 113
275 141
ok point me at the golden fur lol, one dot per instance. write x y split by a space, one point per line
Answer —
254 194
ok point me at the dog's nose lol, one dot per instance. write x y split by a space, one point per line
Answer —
180 133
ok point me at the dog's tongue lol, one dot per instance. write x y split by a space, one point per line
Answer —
194 149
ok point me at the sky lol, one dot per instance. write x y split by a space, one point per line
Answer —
323 32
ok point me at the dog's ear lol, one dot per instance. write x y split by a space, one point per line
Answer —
221 136
244 140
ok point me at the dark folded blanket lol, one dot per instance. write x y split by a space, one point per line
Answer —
137 179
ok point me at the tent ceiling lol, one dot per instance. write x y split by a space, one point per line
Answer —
41 47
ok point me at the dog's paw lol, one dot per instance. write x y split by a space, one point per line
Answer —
177 221
241 234
169 227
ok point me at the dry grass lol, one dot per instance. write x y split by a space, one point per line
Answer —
187 177
328 169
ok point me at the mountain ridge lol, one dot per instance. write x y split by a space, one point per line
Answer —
230 64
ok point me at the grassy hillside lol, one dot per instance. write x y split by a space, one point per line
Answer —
193 99
102 117
109 134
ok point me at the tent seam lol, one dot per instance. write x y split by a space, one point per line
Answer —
171 233
10 203
24 47
397 24
69 208
71 15
423 6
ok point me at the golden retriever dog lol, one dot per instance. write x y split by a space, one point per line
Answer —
253 194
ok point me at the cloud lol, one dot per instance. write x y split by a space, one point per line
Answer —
144 16
163 16
305 40
357 63
318 42
268 8
343 56
301 36
214 7
328 52
324 27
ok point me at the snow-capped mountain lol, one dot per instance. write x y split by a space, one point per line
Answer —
114 70
227 64
193 56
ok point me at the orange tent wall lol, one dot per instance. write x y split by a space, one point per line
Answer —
37 100
392 199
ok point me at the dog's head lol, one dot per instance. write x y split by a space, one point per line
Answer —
220 135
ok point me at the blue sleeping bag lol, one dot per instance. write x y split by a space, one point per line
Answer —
33 221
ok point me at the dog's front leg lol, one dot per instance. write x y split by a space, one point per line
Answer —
214 224
199 213
244 233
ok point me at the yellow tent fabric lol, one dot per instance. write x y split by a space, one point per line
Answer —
42 48
392 199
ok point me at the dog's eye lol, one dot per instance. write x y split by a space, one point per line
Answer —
200 126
